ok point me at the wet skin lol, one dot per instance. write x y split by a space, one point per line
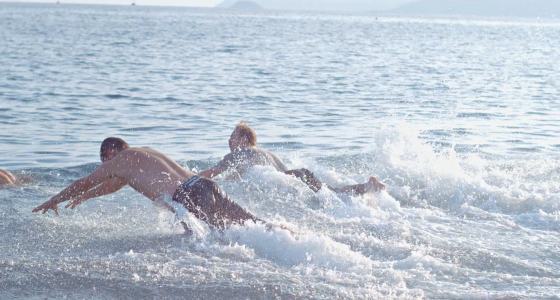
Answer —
149 172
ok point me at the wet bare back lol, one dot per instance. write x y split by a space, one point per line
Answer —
148 171
243 159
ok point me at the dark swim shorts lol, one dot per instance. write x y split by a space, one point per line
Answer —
203 198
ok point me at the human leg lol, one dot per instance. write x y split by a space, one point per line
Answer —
373 185
206 201
307 177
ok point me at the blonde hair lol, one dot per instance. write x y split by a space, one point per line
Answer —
245 130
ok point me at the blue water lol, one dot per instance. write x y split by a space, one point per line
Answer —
458 116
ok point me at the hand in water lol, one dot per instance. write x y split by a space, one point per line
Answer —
46 206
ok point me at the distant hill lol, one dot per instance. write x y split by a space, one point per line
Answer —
246 5
521 8
227 3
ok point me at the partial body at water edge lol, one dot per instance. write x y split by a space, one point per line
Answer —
6 177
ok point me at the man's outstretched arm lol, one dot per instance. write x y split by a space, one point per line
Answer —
76 189
108 187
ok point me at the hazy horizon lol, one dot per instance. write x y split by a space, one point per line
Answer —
522 8
193 3
352 5
527 8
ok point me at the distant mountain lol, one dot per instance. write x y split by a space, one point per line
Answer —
227 3
324 5
246 5
522 8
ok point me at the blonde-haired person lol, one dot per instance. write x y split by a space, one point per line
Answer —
244 154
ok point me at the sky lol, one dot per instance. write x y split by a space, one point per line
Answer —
526 8
199 3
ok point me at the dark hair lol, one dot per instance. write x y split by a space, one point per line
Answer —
245 130
112 144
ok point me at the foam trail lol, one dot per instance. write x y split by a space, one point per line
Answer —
283 248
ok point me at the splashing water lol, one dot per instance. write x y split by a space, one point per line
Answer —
457 117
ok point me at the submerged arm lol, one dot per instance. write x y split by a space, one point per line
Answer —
219 168
212 172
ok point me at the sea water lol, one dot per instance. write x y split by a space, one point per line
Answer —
458 116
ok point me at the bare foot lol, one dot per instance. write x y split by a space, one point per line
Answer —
376 185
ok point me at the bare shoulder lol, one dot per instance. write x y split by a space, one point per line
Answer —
125 158
278 163
137 152
229 157
270 153
147 151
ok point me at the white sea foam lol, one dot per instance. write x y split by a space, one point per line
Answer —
283 248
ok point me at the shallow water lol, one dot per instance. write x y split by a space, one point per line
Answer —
457 116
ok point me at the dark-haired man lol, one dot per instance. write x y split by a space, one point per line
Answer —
156 176
110 147
245 154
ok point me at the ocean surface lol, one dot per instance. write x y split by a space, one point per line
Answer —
458 116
